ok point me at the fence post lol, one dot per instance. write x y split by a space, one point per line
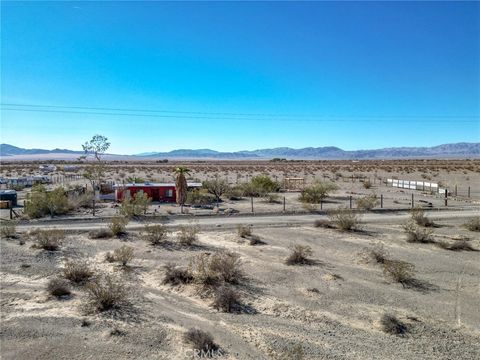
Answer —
321 204
455 190
11 211
284 204
413 202
350 201
93 203
251 201
381 201
469 191
446 197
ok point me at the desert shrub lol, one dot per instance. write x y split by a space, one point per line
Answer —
259 186
217 268
118 225
109 257
136 205
77 271
49 239
418 216
187 234
398 271
323 223
255 240
200 197
155 234
176 275
216 187
235 193
293 352
367 184
473 224
316 192
272 198
344 219
391 325
100 234
417 234
244 231
42 202
8 229
367 202
299 255
461 245
378 253
58 287
76 201
200 340
106 292
226 299
123 254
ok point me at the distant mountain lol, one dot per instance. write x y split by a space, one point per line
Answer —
458 150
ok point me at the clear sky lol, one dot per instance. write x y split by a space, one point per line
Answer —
354 75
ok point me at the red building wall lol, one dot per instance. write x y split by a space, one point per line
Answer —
156 193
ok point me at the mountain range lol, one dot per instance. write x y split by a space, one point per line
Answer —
457 150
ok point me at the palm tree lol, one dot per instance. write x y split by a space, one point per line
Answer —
181 185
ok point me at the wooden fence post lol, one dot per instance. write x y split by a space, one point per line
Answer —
446 197
381 201
350 201
251 201
413 202
284 204
469 191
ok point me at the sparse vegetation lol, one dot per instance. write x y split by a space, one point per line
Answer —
244 231
118 225
136 205
216 187
155 234
417 234
299 255
419 217
106 292
100 234
460 245
344 219
8 229
315 193
226 299
77 271
367 202
399 271
188 234
200 340
58 287
473 224
323 223
49 240
176 275
123 255
42 202
378 253
391 325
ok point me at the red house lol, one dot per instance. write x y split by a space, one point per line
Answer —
163 192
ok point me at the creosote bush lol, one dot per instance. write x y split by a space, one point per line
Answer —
123 254
419 218
100 234
473 224
344 219
200 197
460 245
77 271
299 255
155 234
323 223
226 299
58 287
417 234
135 206
187 234
42 202
200 340
391 325
118 225
176 275
244 231
378 253
367 202
106 292
8 229
399 271
316 192
49 240
216 187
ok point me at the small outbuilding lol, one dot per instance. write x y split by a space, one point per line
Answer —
8 197
162 192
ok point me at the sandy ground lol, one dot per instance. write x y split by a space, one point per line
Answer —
331 308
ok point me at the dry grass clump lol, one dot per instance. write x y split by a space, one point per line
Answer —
106 292
419 217
367 202
155 234
77 271
187 234
378 253
417 234
344 219
473 224
399 271
176 275
200 340
391 325
118 225
8 229
461 245
212 270
100 234
58 287
299 255
323 223
226 299
244 231
123 254
49 240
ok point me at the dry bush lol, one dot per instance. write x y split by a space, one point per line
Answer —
473 224
399 271
344 219
77 271
176 275
226 299
100 234
299 255
367 184
106 292
49 239
200 340
244 231
293 352
417 234
391 325
118 225
210 270
109 257
418 216
316 192
187 234
461 245
58 287
367 202
123 254
378 253
155 234
8 229
323 223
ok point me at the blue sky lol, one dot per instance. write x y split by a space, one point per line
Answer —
355 75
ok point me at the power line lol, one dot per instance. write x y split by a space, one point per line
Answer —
117 111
